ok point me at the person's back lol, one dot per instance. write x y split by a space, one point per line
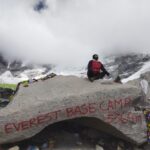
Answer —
96 69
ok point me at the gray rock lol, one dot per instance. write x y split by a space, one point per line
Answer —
121 146
98 147
126 65
14 148
107 107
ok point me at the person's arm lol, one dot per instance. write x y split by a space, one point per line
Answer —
104 70
90 65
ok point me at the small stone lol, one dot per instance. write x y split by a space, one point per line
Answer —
32 148
51 144
101 142
98 147
119 148
14 148
44 146
121 144
79 143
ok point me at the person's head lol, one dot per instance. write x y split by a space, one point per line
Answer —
95 57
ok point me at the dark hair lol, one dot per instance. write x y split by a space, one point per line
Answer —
95 56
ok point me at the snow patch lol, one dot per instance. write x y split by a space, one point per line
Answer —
144 69
7 77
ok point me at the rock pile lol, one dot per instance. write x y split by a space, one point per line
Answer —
70 135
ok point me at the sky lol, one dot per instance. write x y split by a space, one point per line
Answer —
69 32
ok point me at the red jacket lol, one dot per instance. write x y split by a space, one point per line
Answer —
96 66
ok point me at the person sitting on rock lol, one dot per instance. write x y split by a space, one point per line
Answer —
96 69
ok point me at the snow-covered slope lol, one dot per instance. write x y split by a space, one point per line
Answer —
145 68
129 67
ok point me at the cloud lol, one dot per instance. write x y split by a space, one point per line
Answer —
68 32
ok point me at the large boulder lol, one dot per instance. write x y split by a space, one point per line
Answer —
108 105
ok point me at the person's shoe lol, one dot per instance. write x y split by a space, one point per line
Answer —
91 79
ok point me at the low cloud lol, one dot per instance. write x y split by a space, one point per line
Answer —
68 32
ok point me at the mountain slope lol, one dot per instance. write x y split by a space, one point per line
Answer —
128 66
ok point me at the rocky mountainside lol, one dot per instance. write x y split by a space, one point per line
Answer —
16 68
126 65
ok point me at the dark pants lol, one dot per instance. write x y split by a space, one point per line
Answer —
92 76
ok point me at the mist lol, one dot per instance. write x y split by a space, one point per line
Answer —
68 32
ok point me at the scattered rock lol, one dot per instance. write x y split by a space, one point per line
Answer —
121 145
51 144
51 75
32 147
119 148
98 147
66 137
14 148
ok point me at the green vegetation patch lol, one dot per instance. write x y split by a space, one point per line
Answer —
25 83
9 86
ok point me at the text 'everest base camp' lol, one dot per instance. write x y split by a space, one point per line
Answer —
111 106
